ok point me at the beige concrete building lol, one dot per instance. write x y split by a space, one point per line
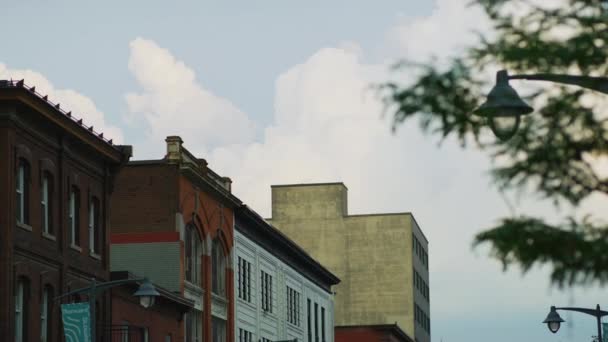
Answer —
382 259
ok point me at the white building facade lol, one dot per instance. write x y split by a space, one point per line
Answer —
281 293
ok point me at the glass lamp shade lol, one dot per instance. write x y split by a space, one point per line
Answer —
504 127
146 293
553 320
147 301
553 326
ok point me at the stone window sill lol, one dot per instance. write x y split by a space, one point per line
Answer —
24 226
75 247
49 236
95 255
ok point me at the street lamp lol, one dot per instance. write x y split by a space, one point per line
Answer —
503 108
554 321
147 294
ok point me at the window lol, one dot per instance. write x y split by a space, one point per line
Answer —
219 329
194 326
264 339
23 192
46 195
244 278
266 285
125 331
245 336
293 306
193 255
94 233
45 310
323 324
21 305
316 322
308 311
168 338
218 264
74 216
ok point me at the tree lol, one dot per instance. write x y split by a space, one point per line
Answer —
552 151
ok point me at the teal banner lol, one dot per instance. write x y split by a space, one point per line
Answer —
76 322
604 331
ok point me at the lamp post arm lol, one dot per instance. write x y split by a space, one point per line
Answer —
593 312
100 287
594 83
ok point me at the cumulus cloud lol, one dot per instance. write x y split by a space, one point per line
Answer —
80 105
172 102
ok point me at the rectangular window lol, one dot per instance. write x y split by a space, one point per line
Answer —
245 336
309 320
22 188
74 216
168 338
323 324
244 278
45 305
94 226
20 311
266 285
293 306
316 322
46 203
218 329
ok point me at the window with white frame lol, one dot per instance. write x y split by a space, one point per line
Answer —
94 233
293 306
218 265
21 306
244 279
45 310
309 317
266 286
22 188
193 255
316 322
323 325
74 216
245 336
46 195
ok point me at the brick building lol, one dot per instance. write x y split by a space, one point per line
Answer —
56 178
173 223
371 333
161 322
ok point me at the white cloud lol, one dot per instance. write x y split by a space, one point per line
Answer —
172 102
80 105
327 127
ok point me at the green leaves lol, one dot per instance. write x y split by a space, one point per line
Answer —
550 153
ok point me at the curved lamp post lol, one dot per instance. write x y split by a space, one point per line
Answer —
554 321
147 295
503 108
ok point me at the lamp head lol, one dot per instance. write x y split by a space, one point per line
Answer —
147 294
553 320
503 108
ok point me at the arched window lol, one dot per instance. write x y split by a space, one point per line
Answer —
74 216
22 188
218 262
46 202
94 228
21 309
46 303
193 255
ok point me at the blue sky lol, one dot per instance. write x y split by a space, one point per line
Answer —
273 92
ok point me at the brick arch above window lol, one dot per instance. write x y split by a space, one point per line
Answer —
23 152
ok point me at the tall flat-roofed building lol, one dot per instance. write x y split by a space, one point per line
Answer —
381 259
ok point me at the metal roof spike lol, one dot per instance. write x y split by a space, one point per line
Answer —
110 141
33 89
20 83
101 135
91 128
69 113
80 122
45 97
57 106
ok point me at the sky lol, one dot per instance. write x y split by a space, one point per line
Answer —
277 92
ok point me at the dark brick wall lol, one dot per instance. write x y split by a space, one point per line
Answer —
145 199
27 253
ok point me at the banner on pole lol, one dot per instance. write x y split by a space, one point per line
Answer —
604 331
76 322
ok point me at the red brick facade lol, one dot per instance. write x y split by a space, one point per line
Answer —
53 145
371 333
156 199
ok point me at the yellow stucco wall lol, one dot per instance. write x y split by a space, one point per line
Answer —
371 254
